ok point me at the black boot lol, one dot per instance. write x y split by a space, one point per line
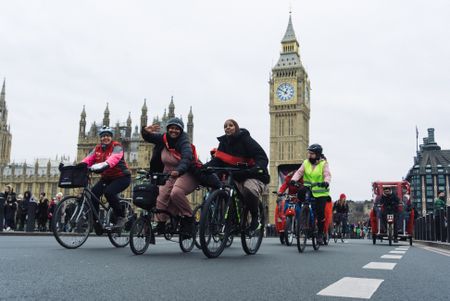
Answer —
187 226
160 228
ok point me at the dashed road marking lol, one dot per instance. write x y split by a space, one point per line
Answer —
351 287
392 256
397 252
380 265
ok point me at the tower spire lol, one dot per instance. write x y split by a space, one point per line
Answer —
171 109
289 35
144 114
106 115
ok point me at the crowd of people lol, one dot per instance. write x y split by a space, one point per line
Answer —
26 212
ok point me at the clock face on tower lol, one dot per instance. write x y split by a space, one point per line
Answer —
285 92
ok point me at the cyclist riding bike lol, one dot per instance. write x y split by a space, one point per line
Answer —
238 149
173 154
291 189
315 170
340 212
389 205
107 158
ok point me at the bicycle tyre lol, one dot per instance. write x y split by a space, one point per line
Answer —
303 229
230 240
79 224
121 239
213 231
140 235
252 241
197 214
289 231
335 234
186 243
315 244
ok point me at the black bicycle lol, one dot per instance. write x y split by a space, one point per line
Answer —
142 232
224 215
307 225
338 227
197 215
75 216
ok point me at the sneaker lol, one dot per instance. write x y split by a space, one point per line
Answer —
121 221
160 228
98 229
254 225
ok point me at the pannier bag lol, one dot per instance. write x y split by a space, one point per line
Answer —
73 176
144 195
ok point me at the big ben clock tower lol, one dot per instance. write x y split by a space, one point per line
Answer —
289 110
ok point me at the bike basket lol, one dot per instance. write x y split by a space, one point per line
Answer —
144 195
73 177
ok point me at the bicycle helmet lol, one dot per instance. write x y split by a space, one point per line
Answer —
176 121
316 148
105 130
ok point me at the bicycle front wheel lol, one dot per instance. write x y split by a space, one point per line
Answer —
251 240
140 235
302 229
289 231
121 237
212 233
72 222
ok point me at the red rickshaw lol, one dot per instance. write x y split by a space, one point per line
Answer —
405 221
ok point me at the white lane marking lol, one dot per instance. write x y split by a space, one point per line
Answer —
392 256
436 250
380 265
401 249
351 287
397 252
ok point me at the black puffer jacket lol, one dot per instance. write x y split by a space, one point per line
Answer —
243 145
182 146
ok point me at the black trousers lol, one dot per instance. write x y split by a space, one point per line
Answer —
111 189
319 209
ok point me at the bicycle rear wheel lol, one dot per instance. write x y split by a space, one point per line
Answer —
213 231
72 222
121 237
186 243
140 235
251 241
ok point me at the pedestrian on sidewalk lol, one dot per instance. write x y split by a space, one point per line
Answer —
42 212
2 210
31 213
10 208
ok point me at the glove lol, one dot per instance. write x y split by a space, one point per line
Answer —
82 165
99 167
324 184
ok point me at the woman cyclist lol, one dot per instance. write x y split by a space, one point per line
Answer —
340 212
107 158
238 149
315 170
173 154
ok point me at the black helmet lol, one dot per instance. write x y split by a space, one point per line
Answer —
176 121
315 148
105 130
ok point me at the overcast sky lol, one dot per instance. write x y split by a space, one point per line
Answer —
377 69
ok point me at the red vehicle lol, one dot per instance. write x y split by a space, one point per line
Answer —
405 222
285 212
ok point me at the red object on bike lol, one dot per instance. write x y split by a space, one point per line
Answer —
373 221
328 216
280 217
